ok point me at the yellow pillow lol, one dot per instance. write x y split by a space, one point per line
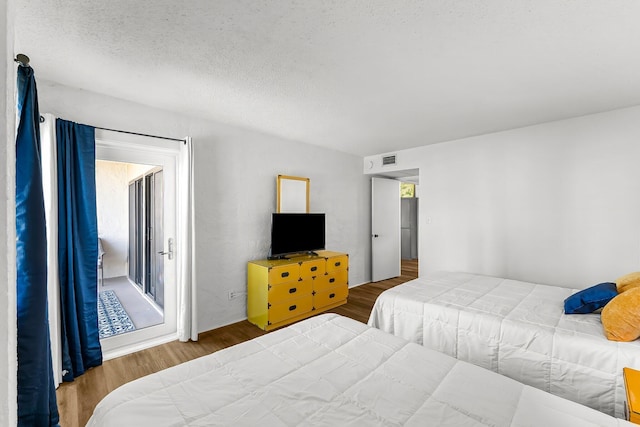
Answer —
621 316
628 281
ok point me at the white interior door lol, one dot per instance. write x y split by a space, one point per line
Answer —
385 228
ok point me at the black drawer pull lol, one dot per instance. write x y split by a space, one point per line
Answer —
314 268
332 295
285 274
293 307
337 264
333 279
293 290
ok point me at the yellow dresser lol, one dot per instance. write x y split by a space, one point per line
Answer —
280 292
632 385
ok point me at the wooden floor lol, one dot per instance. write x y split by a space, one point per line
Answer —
77 399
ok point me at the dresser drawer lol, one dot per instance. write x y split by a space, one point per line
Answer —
281 291
330 280
284 273
290 308
339 262
632 385
290 290
330 296
314 268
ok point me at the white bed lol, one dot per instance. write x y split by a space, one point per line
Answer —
331 370
515 328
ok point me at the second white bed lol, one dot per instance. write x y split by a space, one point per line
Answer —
515 328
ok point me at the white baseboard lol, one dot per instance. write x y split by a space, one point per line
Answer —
123 351
358 284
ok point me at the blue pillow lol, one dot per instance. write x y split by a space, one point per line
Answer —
590 299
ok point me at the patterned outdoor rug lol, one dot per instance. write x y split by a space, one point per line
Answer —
112 318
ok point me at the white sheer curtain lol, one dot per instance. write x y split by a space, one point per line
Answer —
187 312
50 190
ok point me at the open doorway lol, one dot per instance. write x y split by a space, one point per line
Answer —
138 263
409 229
408 221
402 200
125 230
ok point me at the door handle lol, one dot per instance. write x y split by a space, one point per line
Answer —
170 250
375 235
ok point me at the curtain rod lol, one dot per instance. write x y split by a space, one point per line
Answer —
143 134
183 140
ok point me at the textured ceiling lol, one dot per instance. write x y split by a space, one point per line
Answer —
364 77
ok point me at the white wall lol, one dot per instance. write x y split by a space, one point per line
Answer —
112 200
235 191
556 203
135 170
8 363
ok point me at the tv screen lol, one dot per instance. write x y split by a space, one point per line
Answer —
296 233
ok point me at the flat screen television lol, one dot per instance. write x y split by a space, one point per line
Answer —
293 233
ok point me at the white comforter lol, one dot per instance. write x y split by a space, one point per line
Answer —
334 371
515 328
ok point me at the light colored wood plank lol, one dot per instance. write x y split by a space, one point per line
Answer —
68 406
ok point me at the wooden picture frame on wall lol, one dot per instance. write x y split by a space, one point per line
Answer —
293 194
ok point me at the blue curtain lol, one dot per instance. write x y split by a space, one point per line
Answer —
77 248
36 391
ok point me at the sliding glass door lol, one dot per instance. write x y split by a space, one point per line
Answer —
136 232
146 235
